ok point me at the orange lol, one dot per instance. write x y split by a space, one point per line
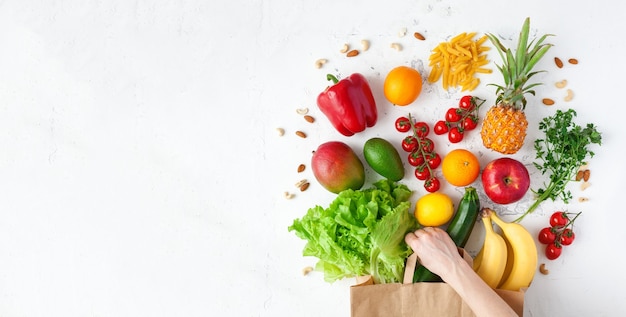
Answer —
460 167
434 209
402 85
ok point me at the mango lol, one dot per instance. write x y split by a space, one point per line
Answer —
337 167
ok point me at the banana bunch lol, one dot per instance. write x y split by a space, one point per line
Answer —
507 261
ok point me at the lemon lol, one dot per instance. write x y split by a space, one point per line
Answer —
434 209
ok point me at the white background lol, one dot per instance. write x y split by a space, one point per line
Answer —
141 173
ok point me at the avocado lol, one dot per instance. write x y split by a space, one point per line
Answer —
383 158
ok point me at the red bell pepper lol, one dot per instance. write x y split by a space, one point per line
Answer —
348 104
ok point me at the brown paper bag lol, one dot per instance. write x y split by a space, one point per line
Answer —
417 299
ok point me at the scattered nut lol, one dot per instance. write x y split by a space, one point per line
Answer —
305 186
301 168
288 195
561 84
309 119
345 48
585 185
582 199
365 45
569 96
302 111
558 62
320 62
352 53
543 270
579 175
573 61
307 270
419 36
300 183
402 32
586 175
547 101
301 134
396 46
280 131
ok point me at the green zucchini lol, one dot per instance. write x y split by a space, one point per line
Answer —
459 229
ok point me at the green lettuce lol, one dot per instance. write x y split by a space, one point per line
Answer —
360 233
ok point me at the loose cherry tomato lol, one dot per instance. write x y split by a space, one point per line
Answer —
455 135
559 219
416 158
432 185
467 103
409 143
421 129
434 160
440 127
403 124
567 236
470 123
453 115
553 250
422 173
547 235
427 145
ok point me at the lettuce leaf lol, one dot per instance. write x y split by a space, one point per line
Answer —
361 232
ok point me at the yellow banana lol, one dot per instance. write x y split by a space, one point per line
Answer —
522 253
491 261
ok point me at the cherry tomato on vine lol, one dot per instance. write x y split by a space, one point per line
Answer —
567 236
547 235
434 160
470 123
427 145
467 103
432 185
416 158
453 115
421 129
422 173
455 135
403 124
553 251
409 143
559 219
440 127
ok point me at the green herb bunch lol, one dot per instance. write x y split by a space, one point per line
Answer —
559 155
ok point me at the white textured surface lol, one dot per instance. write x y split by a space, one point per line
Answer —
141 174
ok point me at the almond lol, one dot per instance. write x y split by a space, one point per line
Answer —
573 61
419 36
558 62
305 186
301 134
548 101
586 175
579 175
301 168
309 119
352 53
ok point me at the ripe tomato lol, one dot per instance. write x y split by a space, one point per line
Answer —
567 236
432 185
416 158
559 219
470 123
434 160
467 103
422 173
421 129
427 145
403 124
455 135
409 144
553 250
453 115
440 127
547 235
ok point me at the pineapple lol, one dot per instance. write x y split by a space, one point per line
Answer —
504 125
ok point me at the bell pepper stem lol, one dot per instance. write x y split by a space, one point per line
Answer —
332 78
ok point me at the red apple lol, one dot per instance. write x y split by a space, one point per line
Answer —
505 180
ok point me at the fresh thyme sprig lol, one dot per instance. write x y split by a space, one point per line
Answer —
560 154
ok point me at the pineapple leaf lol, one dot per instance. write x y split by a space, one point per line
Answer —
510 64
535 58
521 53
499 47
